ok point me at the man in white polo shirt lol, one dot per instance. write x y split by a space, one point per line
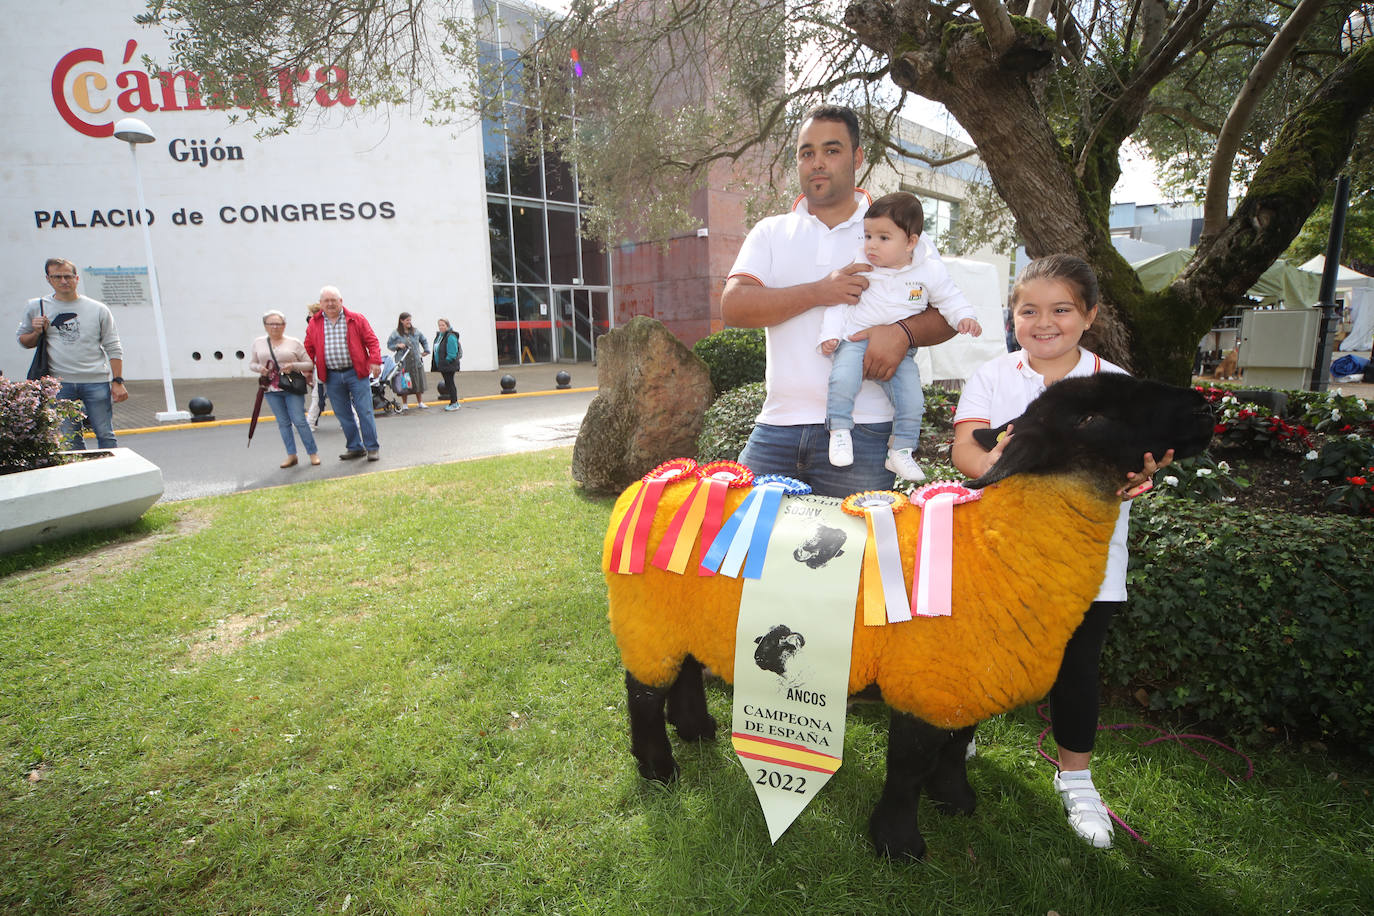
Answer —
789 267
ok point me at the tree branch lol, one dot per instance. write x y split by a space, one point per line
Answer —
1228 140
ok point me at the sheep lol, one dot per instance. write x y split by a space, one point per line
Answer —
1031 553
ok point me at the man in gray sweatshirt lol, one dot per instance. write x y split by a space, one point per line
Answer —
83 351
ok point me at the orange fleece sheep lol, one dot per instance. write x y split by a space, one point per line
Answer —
1029 557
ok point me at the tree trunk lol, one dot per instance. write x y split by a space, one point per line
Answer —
993 95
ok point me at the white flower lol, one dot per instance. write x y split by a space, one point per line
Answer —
1171 480
1360 401
1335 413
1223 467
1204 472
1311 456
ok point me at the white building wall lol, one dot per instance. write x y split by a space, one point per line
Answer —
425 250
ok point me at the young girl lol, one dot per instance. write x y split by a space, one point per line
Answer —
1053 303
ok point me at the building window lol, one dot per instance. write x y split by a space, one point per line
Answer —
540 261
941 215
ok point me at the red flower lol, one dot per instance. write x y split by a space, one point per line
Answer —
1357 481
1219 429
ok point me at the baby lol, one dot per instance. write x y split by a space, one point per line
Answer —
907 276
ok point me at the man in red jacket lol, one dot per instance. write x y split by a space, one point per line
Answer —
346 356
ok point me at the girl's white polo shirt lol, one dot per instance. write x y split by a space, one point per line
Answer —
1000 390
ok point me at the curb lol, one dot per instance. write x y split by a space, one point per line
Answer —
240 421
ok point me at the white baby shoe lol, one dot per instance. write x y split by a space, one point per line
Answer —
901 462
841 448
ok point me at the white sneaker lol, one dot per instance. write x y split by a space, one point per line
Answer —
901 462
841 448
1087 815
423 405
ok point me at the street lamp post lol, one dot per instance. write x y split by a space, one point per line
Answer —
133 131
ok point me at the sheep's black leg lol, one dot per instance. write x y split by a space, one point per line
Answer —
649 731
913 749
948 785
687 704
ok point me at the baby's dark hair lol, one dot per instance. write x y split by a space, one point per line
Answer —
902 208
1066 268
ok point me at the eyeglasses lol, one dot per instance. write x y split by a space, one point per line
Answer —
61 276
274 324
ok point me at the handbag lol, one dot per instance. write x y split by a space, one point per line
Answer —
39 367
291 382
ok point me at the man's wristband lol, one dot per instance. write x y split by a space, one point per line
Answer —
907 331
117 380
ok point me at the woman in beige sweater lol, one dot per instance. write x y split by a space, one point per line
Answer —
288 408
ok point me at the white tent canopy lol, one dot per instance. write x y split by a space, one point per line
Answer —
1345 276
956 358
1357 290
1361 305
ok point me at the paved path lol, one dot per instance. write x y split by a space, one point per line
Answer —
233 398
207 459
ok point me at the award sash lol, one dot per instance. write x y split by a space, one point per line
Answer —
792 655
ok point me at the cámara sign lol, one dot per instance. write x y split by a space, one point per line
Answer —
90 101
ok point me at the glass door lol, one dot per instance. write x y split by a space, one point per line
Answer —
581 316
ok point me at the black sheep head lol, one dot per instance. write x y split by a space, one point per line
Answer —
1102 423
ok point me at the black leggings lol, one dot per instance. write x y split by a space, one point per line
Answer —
1074 696
452 386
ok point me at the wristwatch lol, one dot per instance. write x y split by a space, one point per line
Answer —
117 380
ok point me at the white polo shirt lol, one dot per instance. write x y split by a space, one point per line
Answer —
787 250
1000 390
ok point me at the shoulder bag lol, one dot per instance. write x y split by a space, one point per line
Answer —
291 382
39 367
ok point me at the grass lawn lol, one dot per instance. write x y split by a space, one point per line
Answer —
397 693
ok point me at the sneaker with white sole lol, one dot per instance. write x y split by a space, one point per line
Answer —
1087 815
901 462
841 448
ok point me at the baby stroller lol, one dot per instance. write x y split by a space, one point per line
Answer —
383 386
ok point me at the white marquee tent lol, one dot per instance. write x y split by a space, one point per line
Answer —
1357 290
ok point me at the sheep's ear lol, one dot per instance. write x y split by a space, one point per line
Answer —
1026 451
987 438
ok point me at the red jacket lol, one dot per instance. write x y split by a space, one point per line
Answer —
363 348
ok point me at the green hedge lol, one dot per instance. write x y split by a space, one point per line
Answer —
735 356
729 421
1250 619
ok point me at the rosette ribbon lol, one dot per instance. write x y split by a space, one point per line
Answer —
932 587
632 537
745 534
884 595
701 512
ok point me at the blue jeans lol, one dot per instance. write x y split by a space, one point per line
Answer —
344 388
903 390
804 452
289 409
95 396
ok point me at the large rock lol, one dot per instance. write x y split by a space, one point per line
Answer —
654 394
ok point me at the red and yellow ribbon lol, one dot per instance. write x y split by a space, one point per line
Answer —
884 594
634 527
701 512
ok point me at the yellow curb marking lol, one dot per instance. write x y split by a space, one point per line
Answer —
329 413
